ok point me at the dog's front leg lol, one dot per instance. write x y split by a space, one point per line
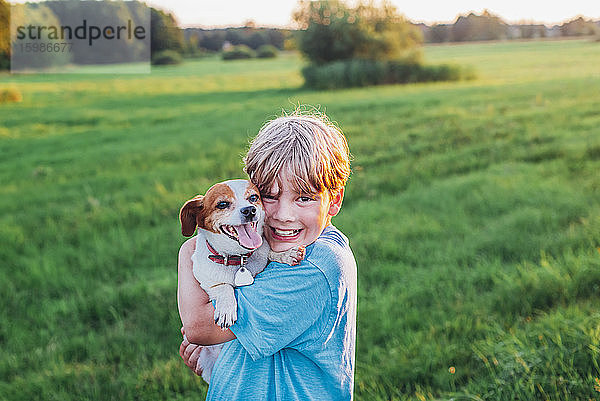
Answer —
225 304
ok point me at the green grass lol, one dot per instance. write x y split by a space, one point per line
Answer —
473 211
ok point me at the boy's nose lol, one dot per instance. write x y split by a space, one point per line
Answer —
282 212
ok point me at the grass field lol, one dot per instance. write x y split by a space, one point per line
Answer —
473 211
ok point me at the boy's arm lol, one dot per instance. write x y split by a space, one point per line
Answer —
195 309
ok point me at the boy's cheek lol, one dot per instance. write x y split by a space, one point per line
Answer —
268 208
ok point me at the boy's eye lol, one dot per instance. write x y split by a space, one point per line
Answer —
253 198
223 205
305 199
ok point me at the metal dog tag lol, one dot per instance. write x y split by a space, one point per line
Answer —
243 277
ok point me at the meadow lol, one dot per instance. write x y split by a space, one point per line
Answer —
473 211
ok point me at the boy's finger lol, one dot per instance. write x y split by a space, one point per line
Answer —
188 351
193 361
184 345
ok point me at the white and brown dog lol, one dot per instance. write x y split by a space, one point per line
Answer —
230 249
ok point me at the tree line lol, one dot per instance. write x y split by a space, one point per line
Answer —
213 40
385 30
164 33
487 26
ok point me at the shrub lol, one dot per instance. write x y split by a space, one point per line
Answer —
267 51
10 95
166 57
365 72
4 61
353 73
238 52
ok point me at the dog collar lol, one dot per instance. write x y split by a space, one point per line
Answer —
232 260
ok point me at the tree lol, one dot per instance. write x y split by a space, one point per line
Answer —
330 31
479 27
234 36
36 14
388 35
579 27
276 38
72 13
4 35
439 33
213 40
164 33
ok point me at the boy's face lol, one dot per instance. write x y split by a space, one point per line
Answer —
296 219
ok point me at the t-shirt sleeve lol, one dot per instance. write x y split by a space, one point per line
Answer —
283 304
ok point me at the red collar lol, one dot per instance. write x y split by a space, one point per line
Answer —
232 260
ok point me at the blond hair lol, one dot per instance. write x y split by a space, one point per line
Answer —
311 149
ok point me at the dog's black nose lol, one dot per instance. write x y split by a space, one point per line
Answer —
248 212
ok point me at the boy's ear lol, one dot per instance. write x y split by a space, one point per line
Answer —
189 214
335 203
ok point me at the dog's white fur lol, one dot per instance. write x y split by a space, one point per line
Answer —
214 225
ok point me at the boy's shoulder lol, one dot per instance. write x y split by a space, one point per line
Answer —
330 253
332 235
330 240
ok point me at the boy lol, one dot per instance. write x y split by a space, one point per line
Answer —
295 334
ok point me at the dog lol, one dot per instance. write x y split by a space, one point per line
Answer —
230 248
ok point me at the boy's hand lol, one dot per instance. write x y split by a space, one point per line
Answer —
189 353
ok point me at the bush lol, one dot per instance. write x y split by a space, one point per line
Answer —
238 52
353 73
166 57
267 51
332 31
10 95
4 61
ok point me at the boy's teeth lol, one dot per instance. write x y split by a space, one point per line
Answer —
286 233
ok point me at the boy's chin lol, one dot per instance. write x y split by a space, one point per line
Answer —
282 246
277 246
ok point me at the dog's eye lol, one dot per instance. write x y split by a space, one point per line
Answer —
253 198
223 205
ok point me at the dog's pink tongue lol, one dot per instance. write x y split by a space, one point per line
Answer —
248 237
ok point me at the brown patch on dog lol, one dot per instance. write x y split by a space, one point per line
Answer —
188 215
213 216
201 211
252 189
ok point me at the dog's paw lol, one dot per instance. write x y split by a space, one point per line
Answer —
225 314
292 256
296 255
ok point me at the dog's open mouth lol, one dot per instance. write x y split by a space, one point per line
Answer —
245 234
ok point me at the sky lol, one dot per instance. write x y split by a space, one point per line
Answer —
277 13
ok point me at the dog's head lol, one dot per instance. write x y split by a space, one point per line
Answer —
231 210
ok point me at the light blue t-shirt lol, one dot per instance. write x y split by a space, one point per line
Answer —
296 330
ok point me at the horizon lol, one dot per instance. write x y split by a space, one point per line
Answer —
266 13
278 14
267 26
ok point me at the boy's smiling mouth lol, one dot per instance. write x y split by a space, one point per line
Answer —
285 234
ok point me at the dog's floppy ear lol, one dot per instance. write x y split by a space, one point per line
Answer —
189 215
